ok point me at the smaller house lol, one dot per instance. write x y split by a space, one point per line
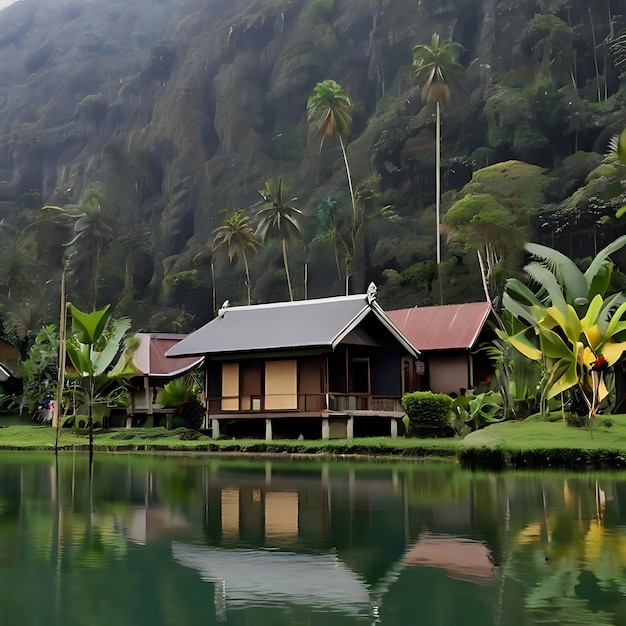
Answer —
329 361
154 370
448 338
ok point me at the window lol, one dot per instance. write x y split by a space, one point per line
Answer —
230 386
281 385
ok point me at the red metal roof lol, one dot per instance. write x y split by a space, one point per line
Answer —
446 327
150 360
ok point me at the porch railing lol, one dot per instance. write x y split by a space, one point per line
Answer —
309 402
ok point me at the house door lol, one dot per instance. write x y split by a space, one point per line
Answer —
359 376
251 386
359 384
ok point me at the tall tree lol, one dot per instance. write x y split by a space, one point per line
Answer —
92 231
278 220
437 65
329 114
237 235
481 223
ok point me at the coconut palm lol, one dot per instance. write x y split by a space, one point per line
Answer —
328 111
278 220
438 67
92 230
237 236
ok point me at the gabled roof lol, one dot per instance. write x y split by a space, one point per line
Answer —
321 323
446 327
149 359
266 577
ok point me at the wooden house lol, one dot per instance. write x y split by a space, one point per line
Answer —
154 370
331 361
449 338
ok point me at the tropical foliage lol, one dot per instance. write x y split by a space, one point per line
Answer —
329 114
237 236
278 220
437 66
570 324
100 359
182 394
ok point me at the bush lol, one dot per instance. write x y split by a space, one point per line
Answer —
576 420
429 414
189 435
189 414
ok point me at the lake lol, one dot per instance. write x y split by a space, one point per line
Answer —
169 540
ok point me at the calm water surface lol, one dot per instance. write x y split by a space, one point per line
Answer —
171 541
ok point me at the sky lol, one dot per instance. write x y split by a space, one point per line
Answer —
5 3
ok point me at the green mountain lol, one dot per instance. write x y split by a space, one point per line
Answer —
142 122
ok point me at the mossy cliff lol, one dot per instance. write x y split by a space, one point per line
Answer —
185 108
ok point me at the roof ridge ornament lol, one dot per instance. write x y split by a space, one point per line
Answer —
371 293
222 310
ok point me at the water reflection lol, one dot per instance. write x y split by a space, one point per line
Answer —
171 541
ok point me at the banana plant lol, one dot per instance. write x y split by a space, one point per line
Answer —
99 361
575 351
570 325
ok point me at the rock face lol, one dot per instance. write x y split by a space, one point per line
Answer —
184 108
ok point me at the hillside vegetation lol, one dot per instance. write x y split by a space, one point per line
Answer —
148 120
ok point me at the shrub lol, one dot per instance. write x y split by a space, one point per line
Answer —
181 394
429 414
189 414
576 420
189 435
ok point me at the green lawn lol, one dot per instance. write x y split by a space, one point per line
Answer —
27 436
509 444
529 435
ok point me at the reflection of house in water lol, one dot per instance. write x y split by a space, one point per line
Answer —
323 541
256 578
151 522
463 559
326 542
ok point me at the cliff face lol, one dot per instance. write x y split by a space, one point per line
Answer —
185 107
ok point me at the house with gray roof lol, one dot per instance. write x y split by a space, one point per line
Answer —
333 365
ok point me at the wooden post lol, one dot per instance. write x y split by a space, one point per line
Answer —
350 427
394 428
325 428
268 428
215 428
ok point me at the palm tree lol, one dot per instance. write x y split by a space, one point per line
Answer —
437 65
278 220
237 236
328 111
92 230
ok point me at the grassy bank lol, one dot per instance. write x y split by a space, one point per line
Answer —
28 437
510 444
547 444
